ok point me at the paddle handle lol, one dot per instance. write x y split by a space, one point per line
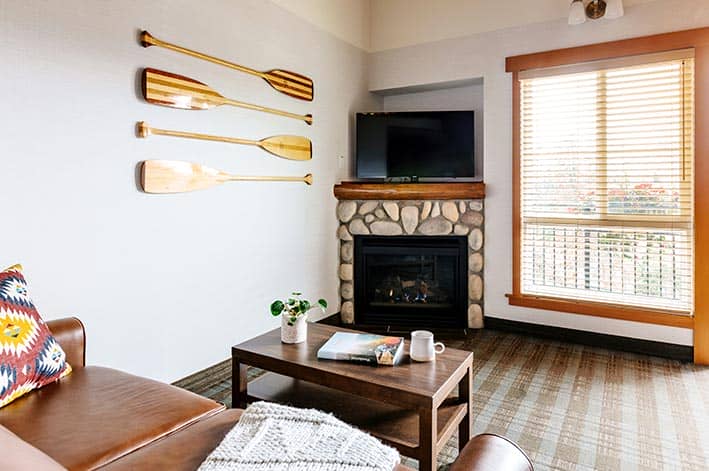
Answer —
308 179
147 40
144 131
308 118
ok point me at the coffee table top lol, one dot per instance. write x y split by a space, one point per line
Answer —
411 383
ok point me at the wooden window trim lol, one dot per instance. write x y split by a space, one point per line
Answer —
612 311
694 38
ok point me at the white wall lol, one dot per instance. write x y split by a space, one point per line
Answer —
399 23
166 283
483 55
348 20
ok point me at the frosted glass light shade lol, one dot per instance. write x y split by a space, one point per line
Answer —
614 9
577 13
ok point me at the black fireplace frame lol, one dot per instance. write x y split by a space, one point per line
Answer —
401 315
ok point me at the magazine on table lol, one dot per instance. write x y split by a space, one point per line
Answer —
364 348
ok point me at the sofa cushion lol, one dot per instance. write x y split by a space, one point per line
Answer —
29 356
19 455
96 415
183 450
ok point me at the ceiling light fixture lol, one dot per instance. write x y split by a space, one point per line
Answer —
594 9
614 9
577 15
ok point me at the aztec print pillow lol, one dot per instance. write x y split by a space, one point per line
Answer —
29 356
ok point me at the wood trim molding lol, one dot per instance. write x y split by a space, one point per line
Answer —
694 38
612 311
516 195
409 191
701 205
625 47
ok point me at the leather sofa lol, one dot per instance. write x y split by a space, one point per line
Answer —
103 418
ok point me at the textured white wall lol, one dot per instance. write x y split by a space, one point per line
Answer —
348 20
483 56
166 283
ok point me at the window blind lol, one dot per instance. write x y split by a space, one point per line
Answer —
606 182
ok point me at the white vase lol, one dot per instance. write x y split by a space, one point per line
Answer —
295 333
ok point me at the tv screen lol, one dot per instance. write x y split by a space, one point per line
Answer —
418 144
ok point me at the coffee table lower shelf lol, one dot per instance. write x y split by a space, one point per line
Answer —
393 425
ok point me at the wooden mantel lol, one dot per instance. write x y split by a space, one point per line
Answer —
409 191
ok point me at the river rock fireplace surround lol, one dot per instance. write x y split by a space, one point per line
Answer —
398 265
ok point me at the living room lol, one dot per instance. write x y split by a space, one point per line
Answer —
166 284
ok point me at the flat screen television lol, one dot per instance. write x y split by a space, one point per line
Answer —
415 145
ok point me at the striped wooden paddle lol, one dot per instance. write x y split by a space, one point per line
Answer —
287 147
289 83
178 91
175 176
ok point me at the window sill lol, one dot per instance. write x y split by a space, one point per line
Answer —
613 311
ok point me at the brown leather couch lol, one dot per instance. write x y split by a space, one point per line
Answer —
103 418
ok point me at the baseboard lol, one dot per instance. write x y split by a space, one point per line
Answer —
333 319
336 320
593 339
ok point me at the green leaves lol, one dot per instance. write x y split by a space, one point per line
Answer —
277 308
295 306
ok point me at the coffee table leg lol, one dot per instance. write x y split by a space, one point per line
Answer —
428 436
238 384
465 392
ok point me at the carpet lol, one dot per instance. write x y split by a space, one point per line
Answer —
570 407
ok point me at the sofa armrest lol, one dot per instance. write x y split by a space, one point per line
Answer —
18 455
490 452
71 336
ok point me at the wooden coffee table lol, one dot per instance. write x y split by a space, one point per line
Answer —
414 407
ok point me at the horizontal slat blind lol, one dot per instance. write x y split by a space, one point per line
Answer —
606 184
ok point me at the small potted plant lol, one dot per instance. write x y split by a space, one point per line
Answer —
293 312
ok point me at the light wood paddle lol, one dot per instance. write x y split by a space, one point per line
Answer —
174 176
289 83
288 147
177 91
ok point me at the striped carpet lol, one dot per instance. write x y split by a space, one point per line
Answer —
568 406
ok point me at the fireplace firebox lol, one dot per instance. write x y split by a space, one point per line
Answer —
411 281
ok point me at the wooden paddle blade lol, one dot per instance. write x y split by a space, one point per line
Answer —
178 91
290 83
173 176
288 147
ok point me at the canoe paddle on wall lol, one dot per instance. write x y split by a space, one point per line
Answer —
178 91
289 83
287 147
174 176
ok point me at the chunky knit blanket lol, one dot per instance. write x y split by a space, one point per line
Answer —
271 437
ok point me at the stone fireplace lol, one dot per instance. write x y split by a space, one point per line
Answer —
411 287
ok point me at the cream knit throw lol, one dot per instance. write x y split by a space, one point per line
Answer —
271 437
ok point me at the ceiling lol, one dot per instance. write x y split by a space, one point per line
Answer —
376 25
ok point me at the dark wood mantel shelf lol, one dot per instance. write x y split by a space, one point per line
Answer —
409 191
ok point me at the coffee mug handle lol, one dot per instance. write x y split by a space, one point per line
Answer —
439 344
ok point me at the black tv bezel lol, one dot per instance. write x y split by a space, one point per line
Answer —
414 179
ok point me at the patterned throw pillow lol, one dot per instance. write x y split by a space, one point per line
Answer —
29 356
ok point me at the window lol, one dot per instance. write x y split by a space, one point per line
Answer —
606 182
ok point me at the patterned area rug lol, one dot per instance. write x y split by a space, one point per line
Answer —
568 406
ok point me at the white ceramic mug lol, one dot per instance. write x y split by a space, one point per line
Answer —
422 346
